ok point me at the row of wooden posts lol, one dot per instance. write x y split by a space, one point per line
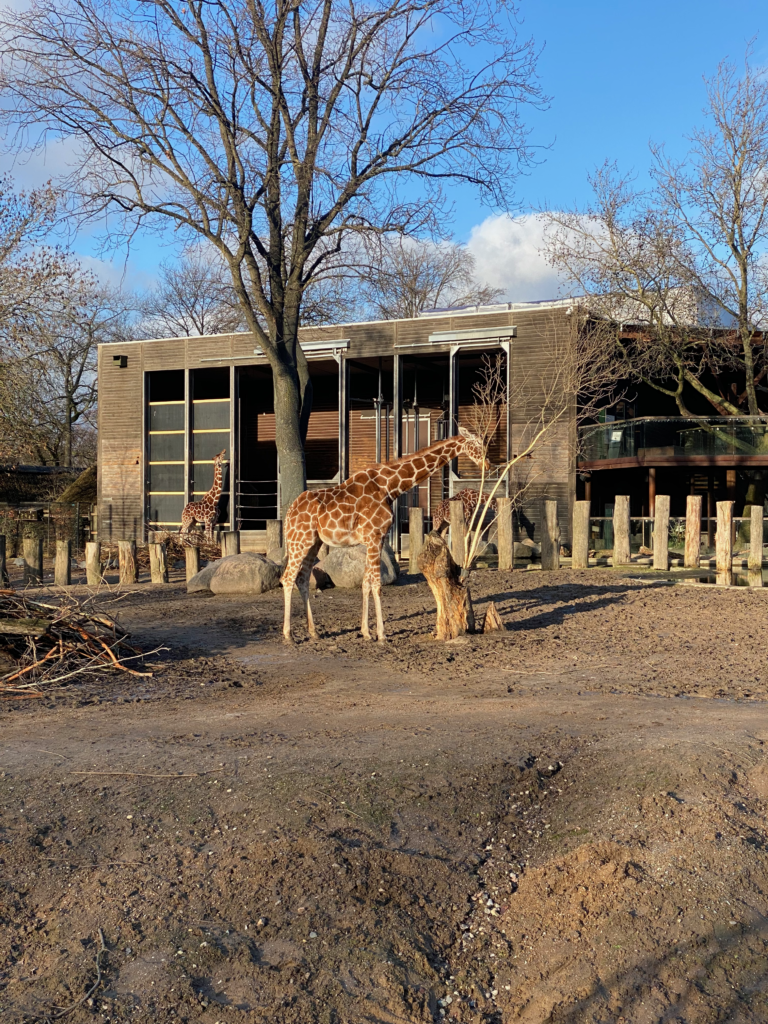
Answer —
550 535
550 543
505 543
127 562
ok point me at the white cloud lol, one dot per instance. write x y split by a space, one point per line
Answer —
507 253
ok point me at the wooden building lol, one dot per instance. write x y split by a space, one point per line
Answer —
381 389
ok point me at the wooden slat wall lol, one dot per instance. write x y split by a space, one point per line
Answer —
121 444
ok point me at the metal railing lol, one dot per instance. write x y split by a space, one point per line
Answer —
674 436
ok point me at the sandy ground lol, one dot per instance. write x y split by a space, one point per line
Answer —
561 822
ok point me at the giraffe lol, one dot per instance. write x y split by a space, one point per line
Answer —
359 511
205 511
468 499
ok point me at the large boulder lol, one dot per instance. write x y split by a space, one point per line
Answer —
346 566
247 573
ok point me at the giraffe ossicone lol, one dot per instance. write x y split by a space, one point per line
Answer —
359 511
205 511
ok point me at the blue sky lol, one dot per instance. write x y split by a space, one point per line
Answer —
618 74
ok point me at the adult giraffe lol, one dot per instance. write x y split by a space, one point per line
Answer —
359 511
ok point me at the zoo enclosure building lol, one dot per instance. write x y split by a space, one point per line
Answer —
384 389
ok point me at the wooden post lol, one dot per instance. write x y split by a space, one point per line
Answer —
580 545
33 560
4 578
621 531
550 537
454 603
504 533
192 556
126 556
230 543
755 563
724 543
62 572
274 534
158 563
692 531
661 533
416 536
92 563
457 531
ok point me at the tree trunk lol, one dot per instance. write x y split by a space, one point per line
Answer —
290 449
454 603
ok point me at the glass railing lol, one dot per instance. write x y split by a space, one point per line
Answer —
675 436
641 535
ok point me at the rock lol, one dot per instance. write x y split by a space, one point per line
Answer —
246 573
18 561
523 551
565 551
346 566
526 542
644 550
319 579
201 581
486 549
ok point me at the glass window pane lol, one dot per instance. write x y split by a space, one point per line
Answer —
206 446
166 478
166 417
210 415
166 508
202 477
166 447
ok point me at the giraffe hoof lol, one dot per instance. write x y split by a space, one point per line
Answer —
287 638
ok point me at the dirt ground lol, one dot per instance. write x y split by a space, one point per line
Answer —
562 822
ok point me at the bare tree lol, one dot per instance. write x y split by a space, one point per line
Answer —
403 276
193 296
48 386
30 269
684 263
272 132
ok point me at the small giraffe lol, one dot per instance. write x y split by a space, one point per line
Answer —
205 511
468 498
359 511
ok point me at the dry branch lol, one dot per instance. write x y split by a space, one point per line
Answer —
53 642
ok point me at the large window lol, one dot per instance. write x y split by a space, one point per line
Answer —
166 477
210 433
180 454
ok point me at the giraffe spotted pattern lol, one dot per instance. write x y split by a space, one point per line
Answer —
468 499
205 511
359 511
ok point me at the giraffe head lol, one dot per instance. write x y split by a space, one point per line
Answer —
472 447
217 458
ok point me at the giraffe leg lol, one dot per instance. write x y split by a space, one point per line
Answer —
302 583
372 584
382 636
297 552
364 625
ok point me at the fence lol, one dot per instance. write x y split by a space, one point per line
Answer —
46 523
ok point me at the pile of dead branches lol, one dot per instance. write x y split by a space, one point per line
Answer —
43 644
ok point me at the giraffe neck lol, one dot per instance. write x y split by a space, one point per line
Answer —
215 492
401 475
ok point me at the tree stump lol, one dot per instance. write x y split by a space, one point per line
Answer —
62 572
492 619
129 567
693 531
158 563
454 603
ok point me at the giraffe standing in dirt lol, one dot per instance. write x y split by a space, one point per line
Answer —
205 511
359 511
